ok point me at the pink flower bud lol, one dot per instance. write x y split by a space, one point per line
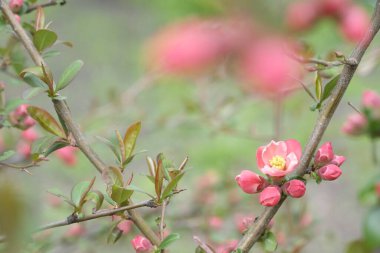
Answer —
243 222
15 5
75 230
354 24
53 200
29 122
377 189
333 7
141 244
67 155
294 188
29 135
329 172
125 226
370 99
22 110
301 15
18 18
306 220
324 154
250 182
215 222
24 149
227 247
270 196
356 124
338 160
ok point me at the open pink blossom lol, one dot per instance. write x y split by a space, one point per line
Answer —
141 244
250 182
278 159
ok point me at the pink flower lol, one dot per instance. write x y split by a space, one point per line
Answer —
22 110
227 247
324 154
67 155
278 159
250 182
75 230
16 5
18 18
270 196
29 122
215 222
370 99
301 15
268 70
243 222
141 244
329 172
24 149
338 160
354 24
125 226
356 124
29 135
294 188
333 7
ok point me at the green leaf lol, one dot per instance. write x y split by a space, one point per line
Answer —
69 74
78 191
114 234
57 192
372 228
173 183
121 145
137 189
159 178
120 195
34 81
46 121
44 38
32 92
318 87
97 197
169 240
49 54
55 146
329 87
357 246
12 104
270 243
6 155
130 138
111 145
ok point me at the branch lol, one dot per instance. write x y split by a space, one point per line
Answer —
97 215
50 3
257 229
63 112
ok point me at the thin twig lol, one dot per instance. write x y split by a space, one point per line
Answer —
35 6
97 215
162 221
63 112
256 230
203 245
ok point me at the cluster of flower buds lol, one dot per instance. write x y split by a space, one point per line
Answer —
141 244
368 120
20 118
16 7
275 160
327 164
353 20
278 159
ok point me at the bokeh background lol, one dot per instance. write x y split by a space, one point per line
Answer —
210 119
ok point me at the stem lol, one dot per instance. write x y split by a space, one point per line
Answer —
256 230
97 215
34 7
374 151
63 112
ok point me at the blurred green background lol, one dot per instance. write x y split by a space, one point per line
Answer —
109 36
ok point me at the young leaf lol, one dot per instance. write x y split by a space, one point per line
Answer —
34 81
329 87
318 87
158 181
55 146
78 191
40 19
130 138
172 185
44 38
46 121
121 145
69 74
97 197
6 155
169 240
112 146
270 243
137 189
114 234
120 195
32 92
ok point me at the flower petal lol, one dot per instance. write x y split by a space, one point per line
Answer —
273 172
259 157
295 147
291 162
273 149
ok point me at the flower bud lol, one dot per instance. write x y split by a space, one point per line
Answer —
329 172
338 160
377 189
301 15
75 230
270 196
324 154
250 182
125 226
354 24
243 222
356 124
370 99
29 122
294 188
67 155
215 222
141 244
29 135
16 5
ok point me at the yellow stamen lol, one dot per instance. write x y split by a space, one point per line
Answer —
277 162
